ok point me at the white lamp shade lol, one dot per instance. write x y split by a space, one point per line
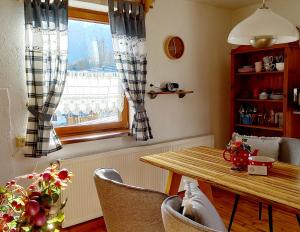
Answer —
264 22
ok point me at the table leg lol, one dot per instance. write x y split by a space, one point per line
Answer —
260 211
270 218
206 189
236 201
173 183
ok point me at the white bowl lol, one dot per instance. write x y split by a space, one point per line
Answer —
280 66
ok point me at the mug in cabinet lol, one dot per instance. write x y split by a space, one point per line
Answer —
258 66
280 66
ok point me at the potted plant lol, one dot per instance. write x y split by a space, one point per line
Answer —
36 205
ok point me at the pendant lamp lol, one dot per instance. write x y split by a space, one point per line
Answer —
263 29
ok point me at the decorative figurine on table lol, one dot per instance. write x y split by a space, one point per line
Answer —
238 152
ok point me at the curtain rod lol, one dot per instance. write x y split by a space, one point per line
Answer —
147 3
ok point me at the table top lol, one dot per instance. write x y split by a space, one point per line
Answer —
280 187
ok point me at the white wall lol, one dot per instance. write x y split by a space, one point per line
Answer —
204 68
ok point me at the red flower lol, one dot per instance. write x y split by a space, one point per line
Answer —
34 194
33 207
63 174
5 216
57 183
40 219
14 204
47 176
8 218
18 206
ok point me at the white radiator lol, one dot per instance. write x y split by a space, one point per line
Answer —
83 203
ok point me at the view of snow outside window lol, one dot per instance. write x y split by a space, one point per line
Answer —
93 92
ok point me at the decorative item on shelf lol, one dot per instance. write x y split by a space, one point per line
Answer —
249 115
268 63
280 67
170 87
276 95
270 117
263 95
296 97
279 59
296 101
174 47
239 153
246 69
260 119
263 29
36 205
258 66
279 119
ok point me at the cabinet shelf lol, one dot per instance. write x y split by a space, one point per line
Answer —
258 73
258 100
260 127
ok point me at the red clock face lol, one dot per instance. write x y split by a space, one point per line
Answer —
174 47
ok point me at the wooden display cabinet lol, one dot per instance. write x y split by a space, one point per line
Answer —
244 86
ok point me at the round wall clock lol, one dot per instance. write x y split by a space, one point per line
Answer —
174 47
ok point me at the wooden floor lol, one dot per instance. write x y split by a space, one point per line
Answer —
246 219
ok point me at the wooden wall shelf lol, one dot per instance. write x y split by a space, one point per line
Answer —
180 93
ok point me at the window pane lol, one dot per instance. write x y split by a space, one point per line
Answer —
93 91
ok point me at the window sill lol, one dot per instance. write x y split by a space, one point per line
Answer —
93 136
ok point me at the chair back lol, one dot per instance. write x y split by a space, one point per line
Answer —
174 221
289 151
128 208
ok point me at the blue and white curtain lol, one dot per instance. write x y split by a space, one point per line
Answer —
46 25
127 23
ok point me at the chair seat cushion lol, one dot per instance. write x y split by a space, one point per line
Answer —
267 146
198 208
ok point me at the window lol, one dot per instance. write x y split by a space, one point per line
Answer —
93 99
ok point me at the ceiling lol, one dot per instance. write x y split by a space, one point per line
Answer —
230 4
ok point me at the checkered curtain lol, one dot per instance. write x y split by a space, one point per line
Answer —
46 24
129 43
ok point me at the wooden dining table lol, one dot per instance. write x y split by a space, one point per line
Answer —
280 188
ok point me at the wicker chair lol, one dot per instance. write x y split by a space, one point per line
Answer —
128 208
